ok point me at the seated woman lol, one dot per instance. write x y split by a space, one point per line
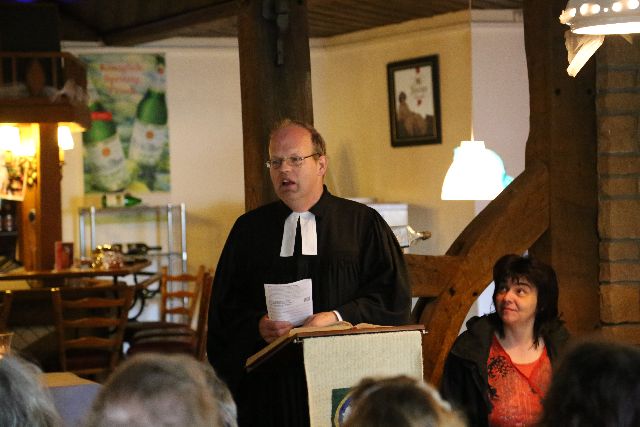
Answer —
400 402
499 369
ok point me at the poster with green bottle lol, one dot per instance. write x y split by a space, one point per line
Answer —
127 146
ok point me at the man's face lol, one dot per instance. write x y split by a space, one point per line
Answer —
299 187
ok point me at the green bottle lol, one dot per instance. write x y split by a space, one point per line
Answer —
150 135
130 200
104 154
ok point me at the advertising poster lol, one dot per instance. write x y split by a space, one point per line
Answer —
127 146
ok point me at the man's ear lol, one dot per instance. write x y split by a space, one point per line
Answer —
323 162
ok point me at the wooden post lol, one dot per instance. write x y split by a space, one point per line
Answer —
41 222
270 91
563 136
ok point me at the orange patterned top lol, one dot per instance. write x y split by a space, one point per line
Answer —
516 390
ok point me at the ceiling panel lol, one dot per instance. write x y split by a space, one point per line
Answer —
126 22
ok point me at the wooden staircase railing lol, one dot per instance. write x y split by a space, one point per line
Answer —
448 285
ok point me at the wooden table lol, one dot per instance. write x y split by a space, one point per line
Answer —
50 278
72 395
29 300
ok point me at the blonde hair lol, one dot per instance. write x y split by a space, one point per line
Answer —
399 401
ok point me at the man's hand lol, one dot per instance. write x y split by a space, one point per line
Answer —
272 329
323 318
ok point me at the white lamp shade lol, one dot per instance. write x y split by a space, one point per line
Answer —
475 174
602 16
9 138
65 139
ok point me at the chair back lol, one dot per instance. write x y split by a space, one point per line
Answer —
176 338
5 309
180 295
203 316
90 325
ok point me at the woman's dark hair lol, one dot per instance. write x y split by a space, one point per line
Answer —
596 384
539 275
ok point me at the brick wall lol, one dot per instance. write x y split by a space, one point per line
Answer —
618 116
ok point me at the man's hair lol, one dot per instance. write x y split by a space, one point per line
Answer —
540 275
151 389
596 383
25 401
399 401
317 140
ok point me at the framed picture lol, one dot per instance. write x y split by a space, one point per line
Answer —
414 101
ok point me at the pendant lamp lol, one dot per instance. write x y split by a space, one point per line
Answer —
602 17
476 173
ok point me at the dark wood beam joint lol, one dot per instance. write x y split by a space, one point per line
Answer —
278 12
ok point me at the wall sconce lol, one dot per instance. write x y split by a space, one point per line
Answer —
476 173
65 141
9 138
602 17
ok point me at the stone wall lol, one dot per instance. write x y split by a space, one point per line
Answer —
618 112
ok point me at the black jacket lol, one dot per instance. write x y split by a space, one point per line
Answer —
465 379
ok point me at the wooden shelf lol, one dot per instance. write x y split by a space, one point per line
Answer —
32 72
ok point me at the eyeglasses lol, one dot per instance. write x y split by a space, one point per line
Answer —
294 161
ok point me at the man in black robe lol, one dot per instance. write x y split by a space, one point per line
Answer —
346 248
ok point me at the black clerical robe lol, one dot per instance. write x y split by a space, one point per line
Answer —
359 271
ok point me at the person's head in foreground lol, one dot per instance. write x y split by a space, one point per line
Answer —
399 401
24 401
597 384
152 389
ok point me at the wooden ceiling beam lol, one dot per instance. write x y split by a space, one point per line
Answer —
167 27
71 28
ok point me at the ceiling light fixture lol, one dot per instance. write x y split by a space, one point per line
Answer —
602 17
476 172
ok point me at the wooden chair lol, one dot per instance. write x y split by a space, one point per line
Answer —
5 309
180 304
180 338
180 295
90 325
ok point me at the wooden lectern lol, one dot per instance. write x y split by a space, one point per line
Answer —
312 369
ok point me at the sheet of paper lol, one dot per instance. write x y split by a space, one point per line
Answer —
289 301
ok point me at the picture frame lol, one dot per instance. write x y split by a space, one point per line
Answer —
414 101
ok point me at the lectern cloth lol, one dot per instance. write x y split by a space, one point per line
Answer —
338 362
